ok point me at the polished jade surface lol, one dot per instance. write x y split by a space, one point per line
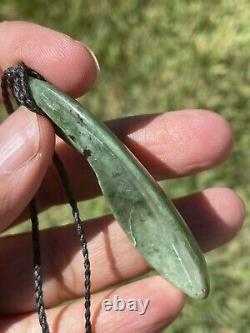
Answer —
143 210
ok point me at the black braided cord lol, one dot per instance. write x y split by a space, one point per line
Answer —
16 79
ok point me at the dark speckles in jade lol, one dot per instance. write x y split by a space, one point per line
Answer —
87 152
143 210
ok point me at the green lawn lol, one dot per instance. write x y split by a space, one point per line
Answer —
183 54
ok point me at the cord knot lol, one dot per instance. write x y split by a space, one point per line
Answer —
16 79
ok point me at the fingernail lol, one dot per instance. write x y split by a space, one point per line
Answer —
94 58
19 140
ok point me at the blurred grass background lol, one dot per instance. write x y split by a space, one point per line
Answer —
166 55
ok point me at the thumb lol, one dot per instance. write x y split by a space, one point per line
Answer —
26 147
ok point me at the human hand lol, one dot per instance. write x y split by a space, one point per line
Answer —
169 145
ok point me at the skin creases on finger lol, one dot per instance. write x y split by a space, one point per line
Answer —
169 145
215 217
61 60
143 306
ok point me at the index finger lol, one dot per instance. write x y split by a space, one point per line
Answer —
66 63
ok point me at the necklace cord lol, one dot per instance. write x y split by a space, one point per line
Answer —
16 79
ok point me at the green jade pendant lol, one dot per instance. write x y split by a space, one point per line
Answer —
147 216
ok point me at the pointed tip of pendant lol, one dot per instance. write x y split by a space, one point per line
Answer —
200 291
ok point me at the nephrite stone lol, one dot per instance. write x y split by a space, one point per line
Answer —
142 209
